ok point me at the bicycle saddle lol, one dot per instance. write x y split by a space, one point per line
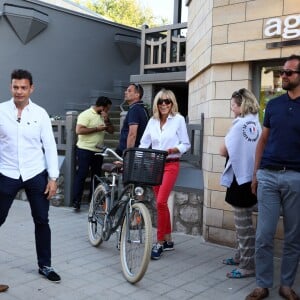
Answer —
110 167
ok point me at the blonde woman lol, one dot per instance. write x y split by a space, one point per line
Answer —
167 131
239 149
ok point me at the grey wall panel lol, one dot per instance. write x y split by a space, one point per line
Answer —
73 56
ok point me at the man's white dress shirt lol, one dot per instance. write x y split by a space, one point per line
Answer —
27 147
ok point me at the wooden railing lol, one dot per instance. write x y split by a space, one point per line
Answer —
163 49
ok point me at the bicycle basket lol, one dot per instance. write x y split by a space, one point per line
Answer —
144 166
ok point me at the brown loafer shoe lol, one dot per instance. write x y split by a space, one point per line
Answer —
288 293
258 293
3 288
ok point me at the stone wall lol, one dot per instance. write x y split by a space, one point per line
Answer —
186 210
187 213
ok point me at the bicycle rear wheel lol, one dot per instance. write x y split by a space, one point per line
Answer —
96 215
136 242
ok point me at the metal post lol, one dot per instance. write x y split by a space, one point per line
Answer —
177 11
143 49
69 170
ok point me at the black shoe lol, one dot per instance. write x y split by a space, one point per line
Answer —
49 273
157 251
168 246
76 206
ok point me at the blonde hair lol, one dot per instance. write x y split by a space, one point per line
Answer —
247 101
164 94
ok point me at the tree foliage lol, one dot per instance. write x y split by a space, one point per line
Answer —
127 12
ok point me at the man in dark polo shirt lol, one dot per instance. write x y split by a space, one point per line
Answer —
136 119
277 182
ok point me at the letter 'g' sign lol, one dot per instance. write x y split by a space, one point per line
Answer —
289 28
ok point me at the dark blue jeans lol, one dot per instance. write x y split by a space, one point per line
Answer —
39 204
86 160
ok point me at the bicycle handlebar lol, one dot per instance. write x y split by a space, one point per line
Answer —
105 151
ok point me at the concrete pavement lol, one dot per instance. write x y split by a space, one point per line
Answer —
193 271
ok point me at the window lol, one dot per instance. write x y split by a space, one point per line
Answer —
267 83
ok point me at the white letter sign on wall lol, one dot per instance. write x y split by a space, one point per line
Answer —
273 27
290 29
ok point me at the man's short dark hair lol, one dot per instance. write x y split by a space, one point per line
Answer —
294 56
138 88
103 101
21 74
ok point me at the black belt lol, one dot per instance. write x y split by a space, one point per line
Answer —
280 168
172 160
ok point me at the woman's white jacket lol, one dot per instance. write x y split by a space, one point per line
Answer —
240 142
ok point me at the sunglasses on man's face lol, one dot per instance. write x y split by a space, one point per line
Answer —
166 101
288 72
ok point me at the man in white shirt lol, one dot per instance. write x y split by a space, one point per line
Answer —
29 161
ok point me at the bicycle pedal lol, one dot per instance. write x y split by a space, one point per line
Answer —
118 246
90 219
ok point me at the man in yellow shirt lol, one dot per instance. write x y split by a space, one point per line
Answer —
91 127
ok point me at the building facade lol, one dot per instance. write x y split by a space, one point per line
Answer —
75 55
233 44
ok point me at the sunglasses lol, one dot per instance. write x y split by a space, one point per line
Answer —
288 72
166 101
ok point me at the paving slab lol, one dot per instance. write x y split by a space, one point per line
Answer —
194 270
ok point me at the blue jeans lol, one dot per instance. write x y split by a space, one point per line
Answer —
86 160
277 189
39 204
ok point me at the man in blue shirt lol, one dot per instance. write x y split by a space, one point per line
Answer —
136 119
277 182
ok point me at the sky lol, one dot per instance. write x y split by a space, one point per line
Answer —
163 8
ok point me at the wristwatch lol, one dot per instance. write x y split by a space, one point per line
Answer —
53 178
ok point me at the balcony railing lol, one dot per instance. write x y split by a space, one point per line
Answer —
163 49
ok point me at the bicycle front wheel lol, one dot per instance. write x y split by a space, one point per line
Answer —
136 242
96 215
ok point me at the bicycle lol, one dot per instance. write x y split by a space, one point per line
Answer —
116 207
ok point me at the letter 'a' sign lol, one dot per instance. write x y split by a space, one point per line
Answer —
289 28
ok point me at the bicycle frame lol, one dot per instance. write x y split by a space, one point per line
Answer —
115 208
113 180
